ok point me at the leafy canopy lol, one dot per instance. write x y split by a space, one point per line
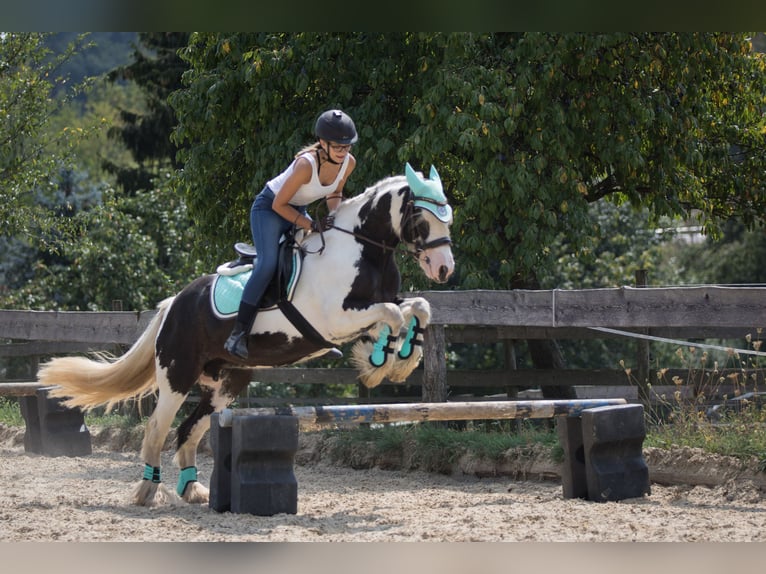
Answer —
526 129
31 92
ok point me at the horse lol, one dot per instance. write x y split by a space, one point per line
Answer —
348 290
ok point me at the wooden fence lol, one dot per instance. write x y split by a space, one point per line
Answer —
475 316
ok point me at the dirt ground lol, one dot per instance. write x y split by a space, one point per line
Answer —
693 497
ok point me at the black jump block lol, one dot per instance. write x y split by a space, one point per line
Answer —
220 480
613 438
253 465
573 480
603 454
53 429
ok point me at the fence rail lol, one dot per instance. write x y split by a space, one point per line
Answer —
475 316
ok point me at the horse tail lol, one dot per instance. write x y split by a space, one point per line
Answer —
105 379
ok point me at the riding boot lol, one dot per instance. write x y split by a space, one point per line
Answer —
236 344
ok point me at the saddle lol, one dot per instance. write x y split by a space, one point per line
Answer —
232 276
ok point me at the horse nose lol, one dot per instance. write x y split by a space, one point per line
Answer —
438 264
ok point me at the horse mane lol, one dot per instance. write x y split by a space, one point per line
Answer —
371 194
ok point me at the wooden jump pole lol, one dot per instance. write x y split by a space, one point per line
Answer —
420 412
19 389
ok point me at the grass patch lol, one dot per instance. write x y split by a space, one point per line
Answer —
740 433
112 420
436 447
10 412
10 416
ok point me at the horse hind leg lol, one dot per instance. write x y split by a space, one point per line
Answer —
150 491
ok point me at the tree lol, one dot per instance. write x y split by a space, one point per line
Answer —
527 130
30 157
79 243
546 124
250 103
156 69
738 258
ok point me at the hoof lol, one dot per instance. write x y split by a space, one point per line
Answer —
196 494
148 493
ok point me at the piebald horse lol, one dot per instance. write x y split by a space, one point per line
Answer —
348 290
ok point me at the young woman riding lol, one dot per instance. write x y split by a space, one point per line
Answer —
317 171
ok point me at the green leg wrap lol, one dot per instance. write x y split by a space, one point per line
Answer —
188 474
411 339
382 347
152 473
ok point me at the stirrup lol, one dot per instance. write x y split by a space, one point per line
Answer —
236 344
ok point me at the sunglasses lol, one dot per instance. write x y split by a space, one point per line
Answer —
340 147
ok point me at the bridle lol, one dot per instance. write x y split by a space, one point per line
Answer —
417 246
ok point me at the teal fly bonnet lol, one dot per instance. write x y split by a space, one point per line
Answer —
429 193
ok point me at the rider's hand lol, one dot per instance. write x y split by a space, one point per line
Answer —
323 225
327 222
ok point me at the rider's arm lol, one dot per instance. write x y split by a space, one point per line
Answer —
301 175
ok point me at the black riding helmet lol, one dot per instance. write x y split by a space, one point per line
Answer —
337 127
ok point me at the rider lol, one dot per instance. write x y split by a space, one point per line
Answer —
317 171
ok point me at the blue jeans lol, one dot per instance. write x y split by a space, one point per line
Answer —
267 227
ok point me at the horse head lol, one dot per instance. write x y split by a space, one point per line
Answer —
425 224
407 209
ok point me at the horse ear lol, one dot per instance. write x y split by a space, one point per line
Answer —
410 173
413 180
435 175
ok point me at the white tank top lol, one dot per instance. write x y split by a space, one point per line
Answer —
312 190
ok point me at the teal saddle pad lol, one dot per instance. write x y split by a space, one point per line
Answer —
227 290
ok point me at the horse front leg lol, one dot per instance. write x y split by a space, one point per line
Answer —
190 432
371 355
417 316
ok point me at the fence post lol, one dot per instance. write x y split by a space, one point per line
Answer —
434 365
642 350
509 361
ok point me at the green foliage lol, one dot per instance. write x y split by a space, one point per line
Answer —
132 249
527 130
104 51
10 413
738 257
30 156
74 241
156 71
627 242
98 114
